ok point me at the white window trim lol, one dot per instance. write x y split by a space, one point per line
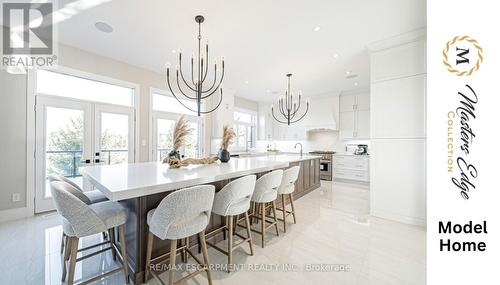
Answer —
153 114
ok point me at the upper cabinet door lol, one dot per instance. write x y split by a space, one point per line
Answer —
347 125
347 103
401 61
363 102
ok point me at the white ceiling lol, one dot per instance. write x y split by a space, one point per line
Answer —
261 40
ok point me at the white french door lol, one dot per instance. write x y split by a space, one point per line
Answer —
71 133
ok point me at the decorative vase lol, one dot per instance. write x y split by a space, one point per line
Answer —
224 155
174 154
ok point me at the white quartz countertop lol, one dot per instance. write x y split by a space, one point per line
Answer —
126 181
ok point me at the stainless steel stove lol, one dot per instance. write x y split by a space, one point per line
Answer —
325 164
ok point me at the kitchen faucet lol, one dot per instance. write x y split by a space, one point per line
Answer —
300 147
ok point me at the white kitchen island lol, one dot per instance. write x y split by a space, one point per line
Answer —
141 186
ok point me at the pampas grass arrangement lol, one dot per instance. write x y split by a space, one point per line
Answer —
227 136
181 132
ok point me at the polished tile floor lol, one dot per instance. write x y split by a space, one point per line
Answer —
334 242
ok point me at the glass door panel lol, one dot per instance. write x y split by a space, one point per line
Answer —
114 135
191 147
164 137
63 144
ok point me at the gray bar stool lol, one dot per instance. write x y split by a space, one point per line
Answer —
179 215
230 202
266 192
81 220
88 197
286 188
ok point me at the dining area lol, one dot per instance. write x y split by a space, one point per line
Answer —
154 218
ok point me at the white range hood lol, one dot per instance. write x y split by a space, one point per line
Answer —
321 115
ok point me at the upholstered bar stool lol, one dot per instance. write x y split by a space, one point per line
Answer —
81 220
230 202
266 192
286 188
88 197
181 214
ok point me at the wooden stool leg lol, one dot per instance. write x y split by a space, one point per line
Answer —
205 256
72 259
149 249
283 210
230 244
123 248
173 251
262 221
247 221
186 255
275 218
224 221
293 208
112 240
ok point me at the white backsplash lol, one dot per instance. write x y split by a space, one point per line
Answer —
326 141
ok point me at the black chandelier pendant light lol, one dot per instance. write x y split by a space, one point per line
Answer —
196 86
288 108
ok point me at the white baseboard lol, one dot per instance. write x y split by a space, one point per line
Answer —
15 214
422 222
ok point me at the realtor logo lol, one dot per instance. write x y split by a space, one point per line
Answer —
28 35
462 56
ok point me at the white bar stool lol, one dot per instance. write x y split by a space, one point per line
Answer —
81 220
286 188
179 215
266 192
230 202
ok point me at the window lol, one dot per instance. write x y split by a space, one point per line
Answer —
166 110
64 85
169 104
245 127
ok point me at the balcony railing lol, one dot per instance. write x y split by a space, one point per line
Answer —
69 160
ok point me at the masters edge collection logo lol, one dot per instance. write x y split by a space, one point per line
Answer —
467 55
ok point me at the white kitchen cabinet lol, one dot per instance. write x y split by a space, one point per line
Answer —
398 108
398 135
354 116
362 124
399 61
397 186
351 167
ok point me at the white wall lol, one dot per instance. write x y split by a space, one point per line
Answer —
398 137
13 142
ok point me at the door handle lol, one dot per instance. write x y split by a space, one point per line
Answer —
86 161
97 160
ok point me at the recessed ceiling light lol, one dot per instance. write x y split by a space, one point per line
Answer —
336 55
246 81
355 83
317 28
103 27
174 51
348 72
